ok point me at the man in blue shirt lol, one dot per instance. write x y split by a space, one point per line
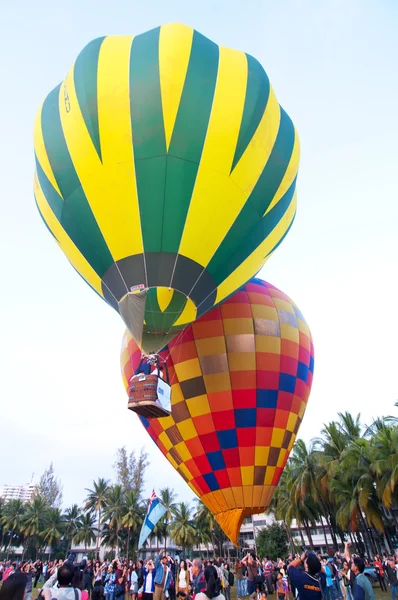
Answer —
362 587
162 576
307 580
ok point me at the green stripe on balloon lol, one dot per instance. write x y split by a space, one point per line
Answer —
260 198
54 200
183 159
77 218
85 79
149 139
257 94
256 236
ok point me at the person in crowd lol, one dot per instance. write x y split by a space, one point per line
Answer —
62 588
98 589
29 571
198 577
38 572
252 571
88 574
329 589
14 588
259 593
212 590
391 571
183 578
110 584
306 575
140 573
239 579
224 570
379 570
162 576
346 580
362 587
133 581
10 570
268 573
148 581
77 583
280 587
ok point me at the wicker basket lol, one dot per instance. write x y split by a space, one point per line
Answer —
143 396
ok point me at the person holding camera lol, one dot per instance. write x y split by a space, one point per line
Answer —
309 581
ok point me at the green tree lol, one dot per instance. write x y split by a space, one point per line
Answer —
272 541
182 530
72 519
49 488
130 469
12 520
54 528
167 498
85 533
35 519
96 500
132 518
114 509
205 523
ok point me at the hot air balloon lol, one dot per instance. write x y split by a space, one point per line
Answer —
241 376
166 171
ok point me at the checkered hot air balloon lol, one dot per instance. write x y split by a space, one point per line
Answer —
166 172
241 376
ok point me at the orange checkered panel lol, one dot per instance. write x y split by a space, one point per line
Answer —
241 376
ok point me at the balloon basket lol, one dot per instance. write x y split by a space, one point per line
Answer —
149 396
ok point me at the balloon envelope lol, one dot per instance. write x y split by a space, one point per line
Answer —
241 376
166 171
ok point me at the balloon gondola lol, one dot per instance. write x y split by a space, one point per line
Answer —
149 388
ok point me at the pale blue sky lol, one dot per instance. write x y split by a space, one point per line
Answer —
333 65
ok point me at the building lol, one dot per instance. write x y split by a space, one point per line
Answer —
18 492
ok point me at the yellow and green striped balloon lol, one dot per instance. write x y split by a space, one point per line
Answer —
166 171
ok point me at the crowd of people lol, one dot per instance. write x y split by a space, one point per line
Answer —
307 577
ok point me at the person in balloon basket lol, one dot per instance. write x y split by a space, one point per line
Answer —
162 576
307 576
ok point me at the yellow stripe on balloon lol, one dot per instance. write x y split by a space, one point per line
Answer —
106 185
175 42
188 315
255 261
216 200
290 174
41 152
121 223
253 160
164 297
67 246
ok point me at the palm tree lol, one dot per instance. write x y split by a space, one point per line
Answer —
167 498
205 522
182 529
2 513
96 501
385 464
12 519
54 528
132 517
114 509
109 537
34 520
85 531
72 519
